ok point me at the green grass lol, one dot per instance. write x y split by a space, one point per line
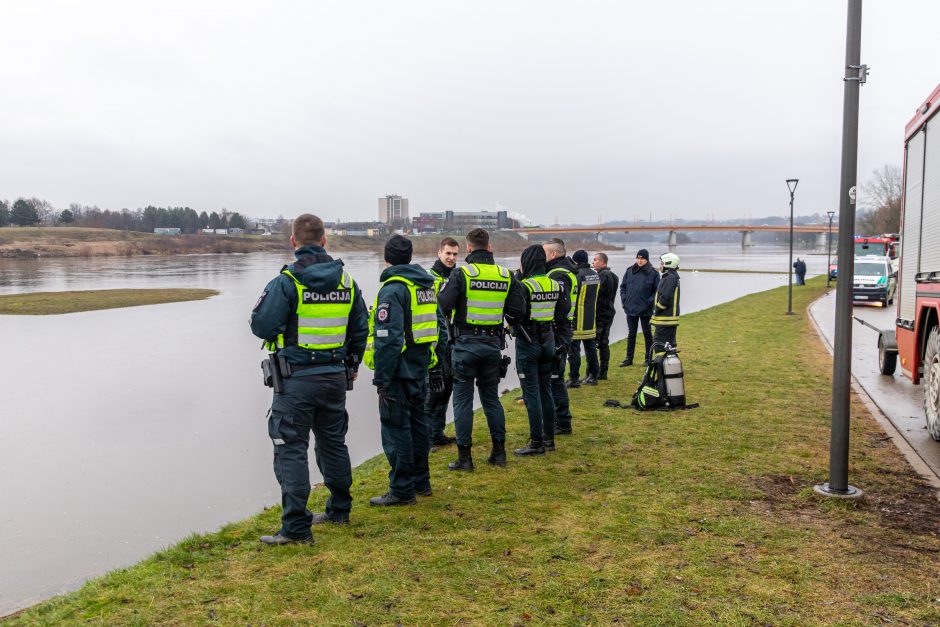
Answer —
704 516
49 303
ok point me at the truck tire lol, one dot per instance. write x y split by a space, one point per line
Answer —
887 359
932 384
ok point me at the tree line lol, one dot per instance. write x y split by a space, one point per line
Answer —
36 211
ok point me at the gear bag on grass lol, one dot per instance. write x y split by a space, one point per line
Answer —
662 386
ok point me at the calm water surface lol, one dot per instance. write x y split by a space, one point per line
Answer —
123 431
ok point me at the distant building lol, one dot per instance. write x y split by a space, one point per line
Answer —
208 231
428 222
466 220
221 231
362 229
393 210
166 231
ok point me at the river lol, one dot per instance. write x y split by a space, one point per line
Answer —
123 431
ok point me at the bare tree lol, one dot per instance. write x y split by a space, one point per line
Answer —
881 202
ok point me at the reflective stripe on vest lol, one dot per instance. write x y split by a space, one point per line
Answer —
423 329
543 296
322 317
487 289
665 319
574 288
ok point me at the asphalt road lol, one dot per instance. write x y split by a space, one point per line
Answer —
898 399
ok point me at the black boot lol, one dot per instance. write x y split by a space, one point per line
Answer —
573 383
464 461
549 445
602 375
534 447
498 454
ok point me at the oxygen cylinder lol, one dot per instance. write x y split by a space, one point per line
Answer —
672 374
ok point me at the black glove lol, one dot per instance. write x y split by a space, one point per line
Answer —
436 380
504 366
385 400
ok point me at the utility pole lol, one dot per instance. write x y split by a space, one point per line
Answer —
855 75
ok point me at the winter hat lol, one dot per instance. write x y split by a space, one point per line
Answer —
643 253
579 256
398 250
533 260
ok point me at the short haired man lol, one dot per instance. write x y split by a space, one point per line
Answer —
606 295
439 396
561 269
314 319
403 327
637 294
479 296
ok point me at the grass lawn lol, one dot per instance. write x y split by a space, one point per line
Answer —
703 516
47 303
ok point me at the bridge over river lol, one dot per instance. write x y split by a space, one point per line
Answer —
821 230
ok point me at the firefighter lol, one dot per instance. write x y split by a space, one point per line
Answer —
665 318
585 319
561 269
314 319
403 328
479 295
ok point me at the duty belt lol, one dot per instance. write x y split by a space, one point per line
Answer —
469 329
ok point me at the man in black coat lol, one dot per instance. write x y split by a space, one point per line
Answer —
799 266
637 291
606 295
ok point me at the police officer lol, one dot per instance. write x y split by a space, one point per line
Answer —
442 373
403 327
606 294
479 295
547 303
585 318
312 314
666 310
562 270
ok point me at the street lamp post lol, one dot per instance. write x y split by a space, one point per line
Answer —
831 214
791 185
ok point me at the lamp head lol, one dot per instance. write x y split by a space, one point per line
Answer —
791 184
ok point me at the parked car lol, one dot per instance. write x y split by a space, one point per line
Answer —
875 280
833 269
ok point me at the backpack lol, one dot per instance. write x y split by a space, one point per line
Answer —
652 391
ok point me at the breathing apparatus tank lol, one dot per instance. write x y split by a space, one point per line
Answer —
672 374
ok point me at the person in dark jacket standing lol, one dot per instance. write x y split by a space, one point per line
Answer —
314 319
637 293
606 311
439 398
547 305
584 322
563 270
403 327
480 295
799 266
666 313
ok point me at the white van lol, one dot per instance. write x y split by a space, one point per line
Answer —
876 280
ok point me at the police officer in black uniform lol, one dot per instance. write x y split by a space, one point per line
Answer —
313 316
404 326
563 270
479 295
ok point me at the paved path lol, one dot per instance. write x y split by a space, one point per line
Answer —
900 401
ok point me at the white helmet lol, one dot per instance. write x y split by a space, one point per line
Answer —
670 260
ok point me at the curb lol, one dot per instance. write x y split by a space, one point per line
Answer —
912 456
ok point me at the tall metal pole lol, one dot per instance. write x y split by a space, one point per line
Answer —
829 250
838 485
790 268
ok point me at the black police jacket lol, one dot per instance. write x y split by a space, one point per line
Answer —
606 296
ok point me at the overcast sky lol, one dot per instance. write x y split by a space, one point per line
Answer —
574 110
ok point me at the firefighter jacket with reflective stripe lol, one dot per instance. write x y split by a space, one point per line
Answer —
420 323
572 280
544 294
666 309
487 287
321 317
585 316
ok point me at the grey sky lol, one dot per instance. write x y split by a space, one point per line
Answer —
576 110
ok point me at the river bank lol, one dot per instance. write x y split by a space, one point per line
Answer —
687 517
44 242
52 303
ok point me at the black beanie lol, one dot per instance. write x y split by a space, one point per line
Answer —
579 256
643 253
398 250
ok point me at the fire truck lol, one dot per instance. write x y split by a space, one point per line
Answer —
915 340
885 244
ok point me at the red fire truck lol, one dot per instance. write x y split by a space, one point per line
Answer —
916 337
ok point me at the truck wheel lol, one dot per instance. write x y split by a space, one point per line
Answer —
932 384
887 360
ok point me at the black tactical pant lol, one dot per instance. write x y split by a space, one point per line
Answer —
663 335
559 391
644 323
405 436
534 364
477 360
603 344
574 358
316 403
436 407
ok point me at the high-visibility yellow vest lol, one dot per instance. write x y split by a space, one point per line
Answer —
321 318
423 328
573 279
487 290
543 296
